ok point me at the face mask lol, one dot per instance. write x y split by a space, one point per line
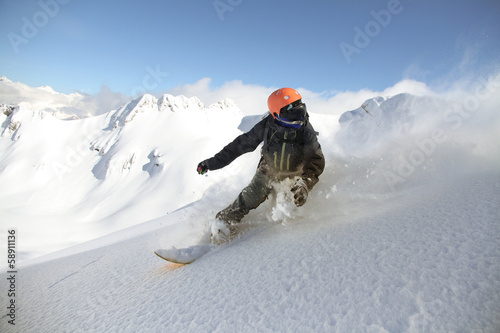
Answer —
290 123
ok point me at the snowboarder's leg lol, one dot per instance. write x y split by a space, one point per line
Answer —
250 198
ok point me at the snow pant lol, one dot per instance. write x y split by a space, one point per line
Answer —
250 198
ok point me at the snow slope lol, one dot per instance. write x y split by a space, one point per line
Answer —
426 261
410 265
400 235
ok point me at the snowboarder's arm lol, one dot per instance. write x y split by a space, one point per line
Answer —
244 143
314 161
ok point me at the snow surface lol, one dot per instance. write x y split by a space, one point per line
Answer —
402 233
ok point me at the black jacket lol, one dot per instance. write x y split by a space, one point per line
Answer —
286 152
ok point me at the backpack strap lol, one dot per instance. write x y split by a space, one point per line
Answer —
266 131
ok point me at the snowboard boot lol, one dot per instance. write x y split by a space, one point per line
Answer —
222 232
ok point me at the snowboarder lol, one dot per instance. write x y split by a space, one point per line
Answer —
290 151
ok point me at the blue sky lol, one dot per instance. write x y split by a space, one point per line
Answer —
320 45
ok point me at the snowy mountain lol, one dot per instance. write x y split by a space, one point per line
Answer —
400 235
65 182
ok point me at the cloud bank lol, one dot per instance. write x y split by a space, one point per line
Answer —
250 98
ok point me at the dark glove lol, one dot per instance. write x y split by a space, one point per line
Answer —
202 168
300 192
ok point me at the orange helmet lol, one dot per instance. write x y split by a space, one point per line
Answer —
281 98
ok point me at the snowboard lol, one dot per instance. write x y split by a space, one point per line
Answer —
191 253
184 255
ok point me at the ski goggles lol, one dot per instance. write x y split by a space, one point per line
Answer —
294 111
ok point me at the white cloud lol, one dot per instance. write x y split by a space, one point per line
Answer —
61 105
105 101
252 99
